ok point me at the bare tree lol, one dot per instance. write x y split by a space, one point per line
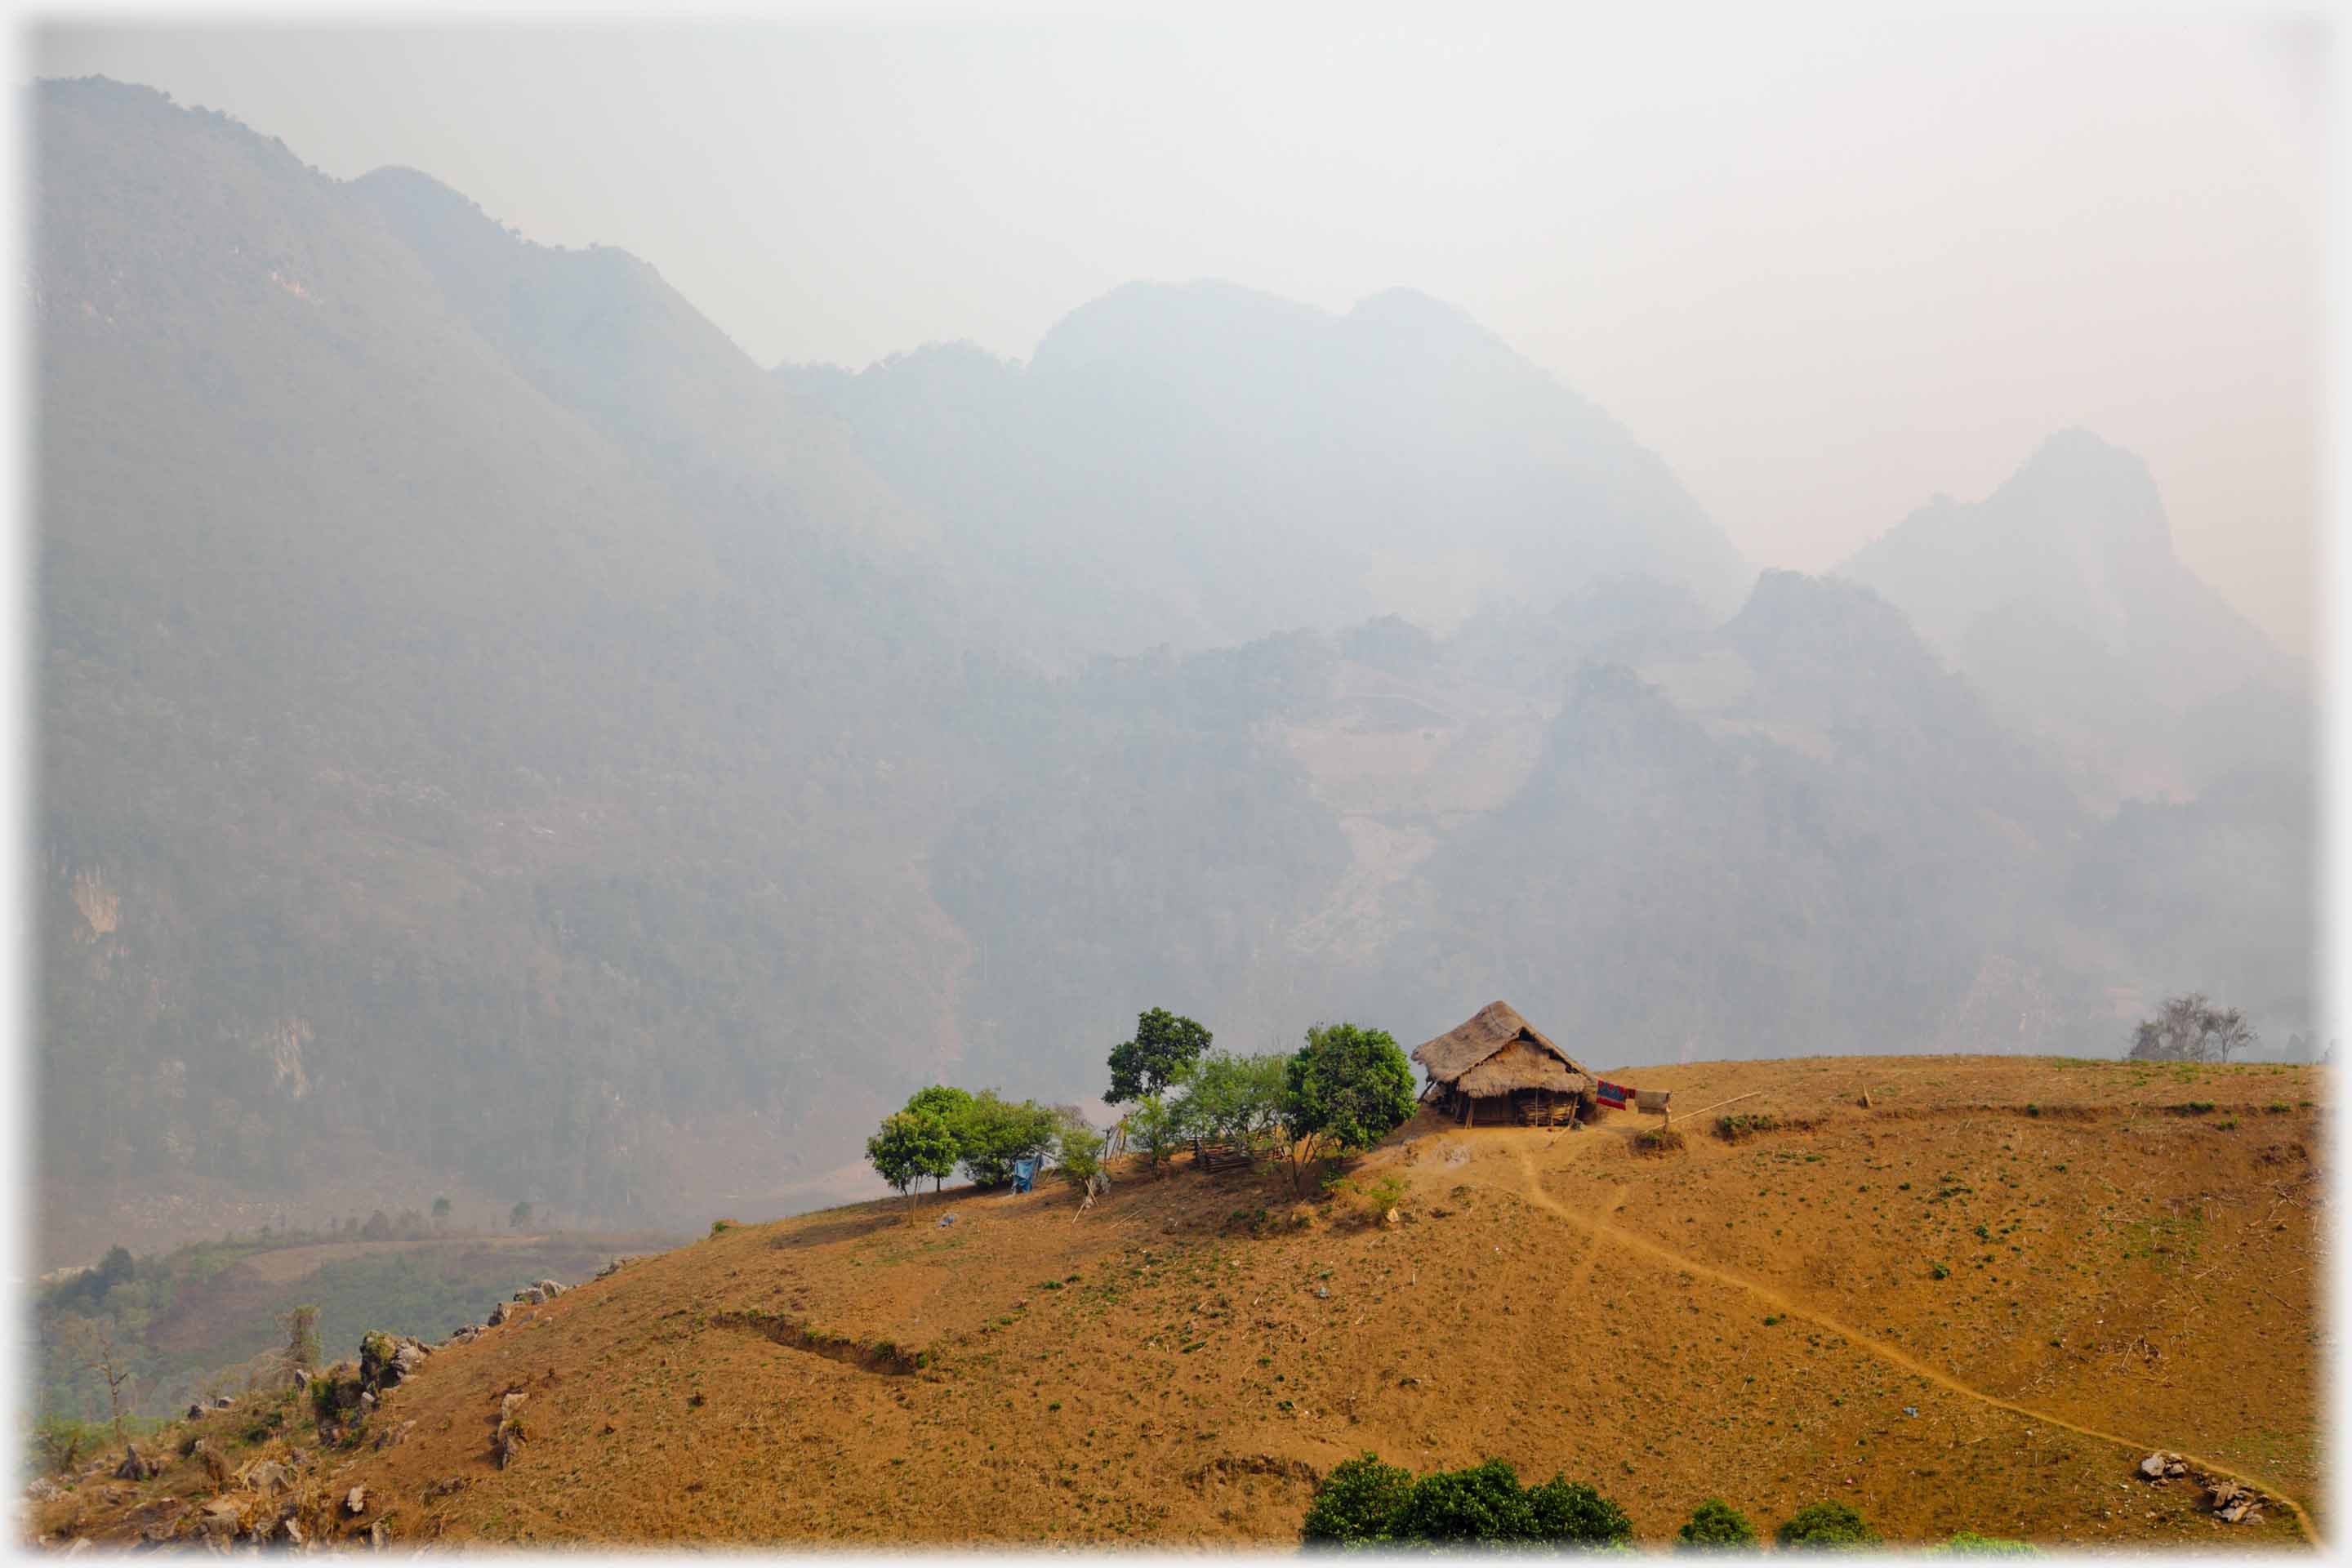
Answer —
2191 1029
91 1342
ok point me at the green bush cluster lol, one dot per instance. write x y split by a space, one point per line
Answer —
1826 1527
1365 1503
1715 1526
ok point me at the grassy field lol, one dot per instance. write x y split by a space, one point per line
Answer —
1974 1304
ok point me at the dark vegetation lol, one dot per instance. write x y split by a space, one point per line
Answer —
1365 1503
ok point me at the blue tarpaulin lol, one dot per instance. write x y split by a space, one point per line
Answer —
1024 1172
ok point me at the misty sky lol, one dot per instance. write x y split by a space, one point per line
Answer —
1827 272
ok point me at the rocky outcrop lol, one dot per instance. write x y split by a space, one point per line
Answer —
136 1465
509 1435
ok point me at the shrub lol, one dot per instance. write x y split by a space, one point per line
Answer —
1968 1544
1562 1510
1363 1503
2191 1108
1657 1140
1826 1527
59 1441
1740 1125
1078 1152
1358 1504
1484 1502
1715 1526
721 1227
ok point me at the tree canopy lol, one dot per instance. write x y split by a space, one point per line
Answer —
1165 1044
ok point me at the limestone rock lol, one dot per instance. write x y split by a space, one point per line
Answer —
355 1500
550 1288
378 1535
44 1490
497 1315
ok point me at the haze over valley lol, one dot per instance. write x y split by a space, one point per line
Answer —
497 737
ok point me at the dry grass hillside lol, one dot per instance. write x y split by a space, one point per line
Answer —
1976 1303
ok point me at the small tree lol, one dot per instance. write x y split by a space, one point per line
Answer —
441 1207
1826 1527
951 1105
2191 1029
1349 1088
1156 1126
911 1145
1077 1150
994 1132
1715 1526
1164 1045
518 1215
1239 1100
300 1326
89 1341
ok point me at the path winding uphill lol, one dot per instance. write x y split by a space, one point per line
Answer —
1975 1305
1534 1191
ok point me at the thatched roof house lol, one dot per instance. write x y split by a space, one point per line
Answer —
1498 1068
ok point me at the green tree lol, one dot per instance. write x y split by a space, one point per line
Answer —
1156 1126
1482 1504
1826 1527
1358 1504
994 1132
1237 1100
518 1215
911 1145
1077 1149
951 1105
1349 1088
1715 1526
1165 1044
441 1207
1570 1511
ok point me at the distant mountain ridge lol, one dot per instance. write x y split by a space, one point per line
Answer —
2060 595
494 734
1204 463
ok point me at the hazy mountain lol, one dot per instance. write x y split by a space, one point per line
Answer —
1203 463
2060 596
496 738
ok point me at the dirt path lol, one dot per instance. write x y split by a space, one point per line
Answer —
1532 1191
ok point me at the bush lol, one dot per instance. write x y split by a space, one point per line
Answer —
1715 1526
1363 1503
1078 1152
1968 1544
1484 1502
2191 1108
1734 1128
1358 1504
1562 1510
61 1441
1657 1140
1826 1527
721 1227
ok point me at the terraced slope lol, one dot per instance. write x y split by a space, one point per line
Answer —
1976 1303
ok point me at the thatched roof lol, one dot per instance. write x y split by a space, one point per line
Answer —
1498 1051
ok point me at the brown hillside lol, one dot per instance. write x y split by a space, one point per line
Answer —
1756 1320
